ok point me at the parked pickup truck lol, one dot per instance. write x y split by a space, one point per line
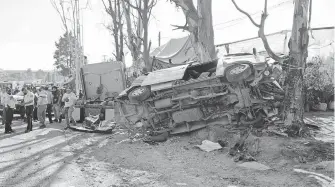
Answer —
18 107
240 88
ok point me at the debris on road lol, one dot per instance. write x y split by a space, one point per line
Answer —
276 132
105 127
209 146
157 138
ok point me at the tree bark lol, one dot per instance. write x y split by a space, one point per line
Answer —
133 45
206 31
114 10
143 8
145 21
294 102
200 25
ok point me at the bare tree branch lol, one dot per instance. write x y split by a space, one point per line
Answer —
152 4
245 13
132 6
261 32
184 27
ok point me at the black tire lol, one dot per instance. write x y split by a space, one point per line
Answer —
139 94
238 72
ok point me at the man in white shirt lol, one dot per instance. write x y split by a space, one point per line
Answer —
42 106
3 99
70 100
10 106
28 102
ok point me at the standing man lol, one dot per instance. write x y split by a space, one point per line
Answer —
49 105
28 102
35 104
4 97
70 99
56 99
42 103
10 102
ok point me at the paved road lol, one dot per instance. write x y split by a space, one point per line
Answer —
57 158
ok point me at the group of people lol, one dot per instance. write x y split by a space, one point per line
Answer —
39 104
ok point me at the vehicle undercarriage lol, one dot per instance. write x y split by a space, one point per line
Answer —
243 95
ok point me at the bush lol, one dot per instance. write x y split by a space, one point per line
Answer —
318 80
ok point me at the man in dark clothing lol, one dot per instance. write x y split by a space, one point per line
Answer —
9 114
81 95
28 102
62 104
49 105
56 99
35 105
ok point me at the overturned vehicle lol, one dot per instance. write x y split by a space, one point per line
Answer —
238 89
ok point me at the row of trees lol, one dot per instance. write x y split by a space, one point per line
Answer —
135 15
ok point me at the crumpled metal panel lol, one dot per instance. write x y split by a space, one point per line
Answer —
161 86
136 82
165 75
188 115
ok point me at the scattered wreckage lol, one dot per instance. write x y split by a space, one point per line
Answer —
238 89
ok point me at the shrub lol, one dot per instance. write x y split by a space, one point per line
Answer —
318 80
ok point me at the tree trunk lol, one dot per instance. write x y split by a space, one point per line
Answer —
134 44
205 27
120 29
200 26
294 102
145 21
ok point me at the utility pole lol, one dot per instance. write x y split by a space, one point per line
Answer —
78 48
159 39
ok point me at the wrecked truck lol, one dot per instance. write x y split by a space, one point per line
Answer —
239 89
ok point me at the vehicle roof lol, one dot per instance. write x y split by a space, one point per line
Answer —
177 73
165 75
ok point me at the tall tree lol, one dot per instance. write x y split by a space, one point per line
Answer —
293 109
200 25
64 59
143 9
134 32
114 10
69 13
61 8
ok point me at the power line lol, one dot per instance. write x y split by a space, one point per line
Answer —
323 46
221 28
260 11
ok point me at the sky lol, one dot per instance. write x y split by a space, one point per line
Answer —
30 28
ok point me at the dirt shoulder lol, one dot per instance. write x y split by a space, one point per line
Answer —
53 157
177 162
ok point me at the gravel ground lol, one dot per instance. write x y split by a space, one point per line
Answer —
54 157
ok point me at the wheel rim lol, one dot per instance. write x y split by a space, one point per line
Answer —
138 92
238 69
